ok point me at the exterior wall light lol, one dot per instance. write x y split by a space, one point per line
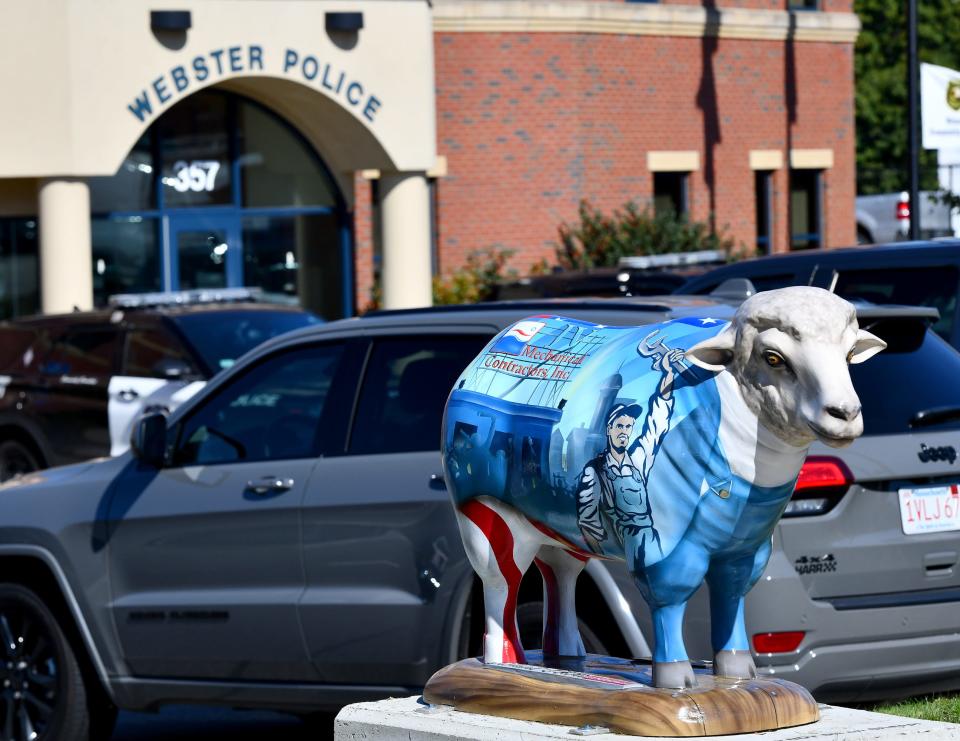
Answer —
170 20
351 22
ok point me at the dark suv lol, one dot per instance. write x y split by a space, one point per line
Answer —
284 539
71 385
909 273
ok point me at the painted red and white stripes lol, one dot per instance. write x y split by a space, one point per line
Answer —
501 544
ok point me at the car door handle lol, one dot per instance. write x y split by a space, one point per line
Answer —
270 485
437 482
128 395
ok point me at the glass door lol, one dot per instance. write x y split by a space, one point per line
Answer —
203 252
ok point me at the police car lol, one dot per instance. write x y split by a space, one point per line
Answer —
71 385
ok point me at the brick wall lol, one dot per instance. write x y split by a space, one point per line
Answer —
362 242
532 123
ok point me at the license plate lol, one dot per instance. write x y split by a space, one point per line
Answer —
934 509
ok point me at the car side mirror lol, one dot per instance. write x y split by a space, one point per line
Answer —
149 440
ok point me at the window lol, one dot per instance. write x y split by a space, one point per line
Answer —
763 197
15 349
929 286
669 192
802 4
271 412
911 353
84 351
126 255
805 211
19 268
221 191
404 392
155 353
222 337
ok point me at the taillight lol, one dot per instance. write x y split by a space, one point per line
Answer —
777 643
822 483
903 207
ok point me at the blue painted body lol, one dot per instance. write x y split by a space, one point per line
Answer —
527 424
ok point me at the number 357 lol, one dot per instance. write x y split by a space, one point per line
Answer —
196 175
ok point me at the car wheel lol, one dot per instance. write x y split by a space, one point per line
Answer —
15 459
42 694
530 623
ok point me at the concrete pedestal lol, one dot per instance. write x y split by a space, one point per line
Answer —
408 719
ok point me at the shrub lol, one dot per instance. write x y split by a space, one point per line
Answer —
476 280
599 240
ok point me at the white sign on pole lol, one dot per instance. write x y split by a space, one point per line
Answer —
940 106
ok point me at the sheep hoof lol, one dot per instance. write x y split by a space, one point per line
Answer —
734 664
674 674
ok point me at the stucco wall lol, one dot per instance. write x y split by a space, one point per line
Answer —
87 77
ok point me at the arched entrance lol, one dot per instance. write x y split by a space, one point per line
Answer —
222 192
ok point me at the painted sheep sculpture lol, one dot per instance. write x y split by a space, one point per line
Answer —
672 446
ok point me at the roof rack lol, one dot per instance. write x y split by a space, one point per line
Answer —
184 298
672 259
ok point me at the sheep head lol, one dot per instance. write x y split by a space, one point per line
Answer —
788 350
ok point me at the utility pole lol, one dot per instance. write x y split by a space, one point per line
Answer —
913 149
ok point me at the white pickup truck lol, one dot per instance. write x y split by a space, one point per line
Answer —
886 217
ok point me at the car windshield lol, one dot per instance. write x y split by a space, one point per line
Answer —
915 373
223 336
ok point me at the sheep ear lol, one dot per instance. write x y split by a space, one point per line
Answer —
866 346
715 353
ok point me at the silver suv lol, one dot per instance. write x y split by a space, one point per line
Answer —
285 540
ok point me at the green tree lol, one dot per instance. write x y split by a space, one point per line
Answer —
881 86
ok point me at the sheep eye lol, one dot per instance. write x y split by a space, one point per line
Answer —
774 359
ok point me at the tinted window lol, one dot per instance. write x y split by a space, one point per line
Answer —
932 286
404 391
271 412
770 282
760 282
82 351
155 353
223 336
15 349
905 378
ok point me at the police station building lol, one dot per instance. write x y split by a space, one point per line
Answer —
315 149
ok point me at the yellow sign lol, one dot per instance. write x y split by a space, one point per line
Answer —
953 94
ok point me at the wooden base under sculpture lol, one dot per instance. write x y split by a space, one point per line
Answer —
618 694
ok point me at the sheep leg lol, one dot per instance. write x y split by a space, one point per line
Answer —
666 586
560 569
729 581
500 545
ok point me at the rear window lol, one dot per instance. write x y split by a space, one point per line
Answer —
16 349
404 390
220 337
88 351
760 282
917 372
930 286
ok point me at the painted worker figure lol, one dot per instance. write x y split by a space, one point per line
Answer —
613 486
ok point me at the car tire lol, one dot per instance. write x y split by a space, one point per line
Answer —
41 686
16 458
530 623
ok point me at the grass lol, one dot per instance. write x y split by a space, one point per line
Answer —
945 708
